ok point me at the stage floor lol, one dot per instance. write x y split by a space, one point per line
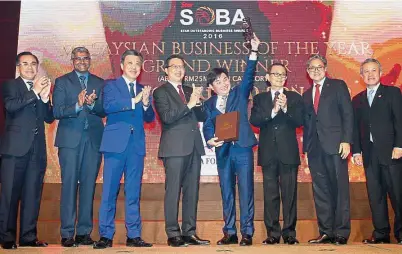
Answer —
257 248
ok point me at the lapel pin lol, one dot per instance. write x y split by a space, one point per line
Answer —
379 96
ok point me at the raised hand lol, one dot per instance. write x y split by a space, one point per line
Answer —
40 83
146 92
255 42
90 99
81 97
138 98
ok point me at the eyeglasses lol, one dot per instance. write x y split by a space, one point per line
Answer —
84 59
277 75
26 65
318 68
177 67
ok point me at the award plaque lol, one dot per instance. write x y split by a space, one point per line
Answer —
227 126
248 31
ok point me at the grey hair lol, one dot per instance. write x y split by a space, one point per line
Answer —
370 60
131 52
317 56
79 49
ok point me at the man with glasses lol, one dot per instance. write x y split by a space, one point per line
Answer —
181 149
23 150
328 130
234 158
278 113
127 105
77 103
377 145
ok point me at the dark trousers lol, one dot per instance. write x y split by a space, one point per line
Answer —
331 191
182 173
132 165
380 181
22 182
79 169
277 175
240 163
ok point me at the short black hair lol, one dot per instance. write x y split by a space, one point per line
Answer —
174 56
277 64
214 74
131 52
25 53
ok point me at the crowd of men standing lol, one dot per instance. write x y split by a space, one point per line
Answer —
369 127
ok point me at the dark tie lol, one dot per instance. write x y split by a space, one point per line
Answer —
132 90
182 94
30 84
82 81
276 96
316 98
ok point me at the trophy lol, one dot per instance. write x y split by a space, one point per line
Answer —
248 31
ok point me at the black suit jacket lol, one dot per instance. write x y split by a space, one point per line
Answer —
25 116
383 119
278 132
180 132
334 120
71 124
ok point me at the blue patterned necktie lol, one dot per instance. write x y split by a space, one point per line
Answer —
82 81
30 84
371 96
132 90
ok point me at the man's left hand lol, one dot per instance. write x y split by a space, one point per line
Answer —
344 150
396 153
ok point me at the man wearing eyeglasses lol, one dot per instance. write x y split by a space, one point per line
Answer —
278 113
23 151
234 158
328 129
77 105
180 149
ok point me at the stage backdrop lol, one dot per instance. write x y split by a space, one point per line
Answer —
208 35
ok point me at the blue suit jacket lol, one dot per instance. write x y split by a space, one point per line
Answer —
121 118
237 101
71 124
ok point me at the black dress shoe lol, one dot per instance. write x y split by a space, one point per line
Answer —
83 240
34 243
137 242
399 241
322 239
290 240
246 240
103 243
9 245
176 241
68 242
228 239
195 240
271 240
373 240
340 240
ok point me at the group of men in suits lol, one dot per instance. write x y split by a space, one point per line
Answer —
370 126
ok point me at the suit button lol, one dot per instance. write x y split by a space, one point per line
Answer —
35 131
34 104
276 128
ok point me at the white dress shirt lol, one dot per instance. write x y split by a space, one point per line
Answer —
135 91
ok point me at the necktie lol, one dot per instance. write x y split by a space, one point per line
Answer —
371 96
30 84
316 98
132 90
276 96
82 81
182 94
222 104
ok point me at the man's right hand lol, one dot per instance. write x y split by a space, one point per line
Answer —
39 84
357 159
277 107
195 97
214 142
81 97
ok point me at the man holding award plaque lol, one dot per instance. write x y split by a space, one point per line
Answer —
233 152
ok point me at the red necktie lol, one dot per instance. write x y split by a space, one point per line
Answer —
181 94
316 98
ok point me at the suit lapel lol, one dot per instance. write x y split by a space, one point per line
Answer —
172 90
378 96
75 81
22 86
122 86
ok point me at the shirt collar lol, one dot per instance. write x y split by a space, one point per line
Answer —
128 81
85 74
175 84
321 83
375 88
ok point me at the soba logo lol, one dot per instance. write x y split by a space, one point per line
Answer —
206 16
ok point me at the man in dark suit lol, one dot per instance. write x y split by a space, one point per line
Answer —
181 149
377 144
127 105
23 150
328 128
234 158
78 105
278 113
